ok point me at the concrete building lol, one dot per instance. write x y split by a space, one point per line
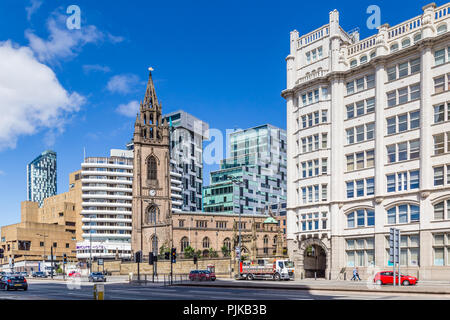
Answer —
27 245
106 206
369 147
41 177
257 163
187 134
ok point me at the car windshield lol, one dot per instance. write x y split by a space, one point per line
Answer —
97 274
289 264
16 278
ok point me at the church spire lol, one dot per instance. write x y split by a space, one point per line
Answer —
150 100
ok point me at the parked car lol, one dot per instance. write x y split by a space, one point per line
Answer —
39 274
13 282
24 274
97 277
387 277
74 274
202 275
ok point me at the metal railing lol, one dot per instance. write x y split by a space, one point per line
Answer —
165 279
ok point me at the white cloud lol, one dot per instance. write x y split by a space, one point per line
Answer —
129 110
95 67
2 173
65 43
34 6
123 83
31 97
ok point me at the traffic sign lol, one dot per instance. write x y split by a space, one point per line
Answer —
100 262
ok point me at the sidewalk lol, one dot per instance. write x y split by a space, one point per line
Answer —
425 287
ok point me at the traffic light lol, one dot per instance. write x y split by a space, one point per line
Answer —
138 256
150 258
65 258
174 255
167 255
195 259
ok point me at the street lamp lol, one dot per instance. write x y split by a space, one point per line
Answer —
239 183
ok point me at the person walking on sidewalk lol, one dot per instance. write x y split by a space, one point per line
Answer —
355 275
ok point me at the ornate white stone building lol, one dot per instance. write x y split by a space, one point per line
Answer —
368 129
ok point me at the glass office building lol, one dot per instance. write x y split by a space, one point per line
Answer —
41 177
257 165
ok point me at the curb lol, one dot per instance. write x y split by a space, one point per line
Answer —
303 287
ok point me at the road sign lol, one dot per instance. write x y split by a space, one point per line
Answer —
238 253
100 262
394 251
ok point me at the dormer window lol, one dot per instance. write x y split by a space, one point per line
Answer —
363 59
394 47
441 29
406 43
417 37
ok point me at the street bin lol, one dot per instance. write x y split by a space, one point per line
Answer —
99 291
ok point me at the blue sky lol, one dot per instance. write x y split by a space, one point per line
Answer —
222 61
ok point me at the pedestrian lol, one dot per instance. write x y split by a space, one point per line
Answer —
357 274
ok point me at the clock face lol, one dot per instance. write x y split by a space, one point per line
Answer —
152 193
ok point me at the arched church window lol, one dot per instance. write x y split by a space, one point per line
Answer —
152 168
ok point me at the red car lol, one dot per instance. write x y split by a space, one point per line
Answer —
202 275
387 277
74 274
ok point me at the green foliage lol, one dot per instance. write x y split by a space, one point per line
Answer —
164 249
225 251
189 252
212 253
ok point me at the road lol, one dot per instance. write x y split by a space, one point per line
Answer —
120 290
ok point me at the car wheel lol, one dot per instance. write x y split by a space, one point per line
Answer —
250 277
25 289
276 277
379 282
406 283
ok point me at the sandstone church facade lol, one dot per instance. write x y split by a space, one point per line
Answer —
151 208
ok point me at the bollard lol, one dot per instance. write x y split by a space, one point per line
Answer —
345 276
329 276
100 290
315 275
301 277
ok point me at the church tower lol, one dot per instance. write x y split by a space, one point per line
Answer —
151 211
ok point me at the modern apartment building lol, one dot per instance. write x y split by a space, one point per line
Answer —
368 128
41 177
187 134
106 201
257 165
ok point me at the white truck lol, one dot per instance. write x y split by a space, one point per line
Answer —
274 269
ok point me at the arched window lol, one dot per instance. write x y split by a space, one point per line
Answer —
394 47
227 243
406 43
353 63
361 218
152 214
266 243
442 210
151 168
442 28
205 242
275 240
403 213
373 54
184 243
363 59
417 37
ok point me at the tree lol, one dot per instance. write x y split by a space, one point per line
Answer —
225 251
189 252
164 248
212 253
